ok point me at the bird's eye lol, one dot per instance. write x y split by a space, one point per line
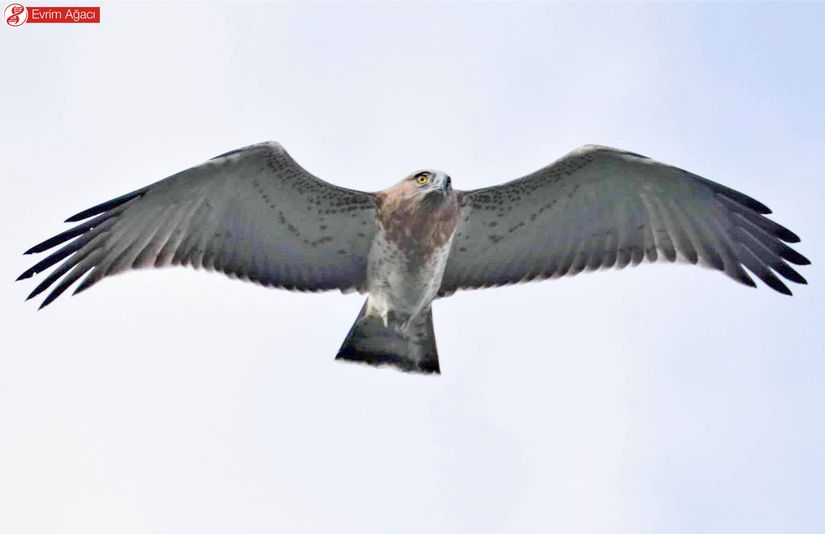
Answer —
422 178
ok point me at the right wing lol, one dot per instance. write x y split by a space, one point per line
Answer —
252 213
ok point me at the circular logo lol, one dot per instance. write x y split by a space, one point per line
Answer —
15 15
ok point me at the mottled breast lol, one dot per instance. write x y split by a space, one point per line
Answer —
410 250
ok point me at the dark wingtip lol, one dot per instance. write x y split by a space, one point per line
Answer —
743 278
106 206
788 236
781 288
755 205
758 207
773 282
56 292
788 272
87 282
795 257
743 199
36 249
40 247
85 214
27 274
39 289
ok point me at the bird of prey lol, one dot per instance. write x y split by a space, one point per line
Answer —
255 214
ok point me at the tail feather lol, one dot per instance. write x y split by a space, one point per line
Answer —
412 350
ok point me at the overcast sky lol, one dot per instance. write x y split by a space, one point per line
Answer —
649 400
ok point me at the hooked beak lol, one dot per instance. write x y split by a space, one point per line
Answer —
445 186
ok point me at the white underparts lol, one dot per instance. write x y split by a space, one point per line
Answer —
401 287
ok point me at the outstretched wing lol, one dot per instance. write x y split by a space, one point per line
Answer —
601 207
252 213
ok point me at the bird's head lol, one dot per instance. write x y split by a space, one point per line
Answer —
421 208
426 185
430 181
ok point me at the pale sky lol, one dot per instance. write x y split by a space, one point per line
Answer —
649 400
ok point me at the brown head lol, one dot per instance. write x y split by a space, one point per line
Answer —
419 213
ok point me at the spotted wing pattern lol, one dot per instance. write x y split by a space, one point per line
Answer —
252 213
600 207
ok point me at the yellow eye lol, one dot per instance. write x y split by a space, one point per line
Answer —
422 179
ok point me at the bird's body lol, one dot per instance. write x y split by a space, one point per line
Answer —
254 213
400 284
415 225
412 242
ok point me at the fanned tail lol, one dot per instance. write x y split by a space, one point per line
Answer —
412 349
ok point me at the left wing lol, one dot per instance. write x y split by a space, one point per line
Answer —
599 207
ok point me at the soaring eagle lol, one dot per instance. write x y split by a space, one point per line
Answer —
255 214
